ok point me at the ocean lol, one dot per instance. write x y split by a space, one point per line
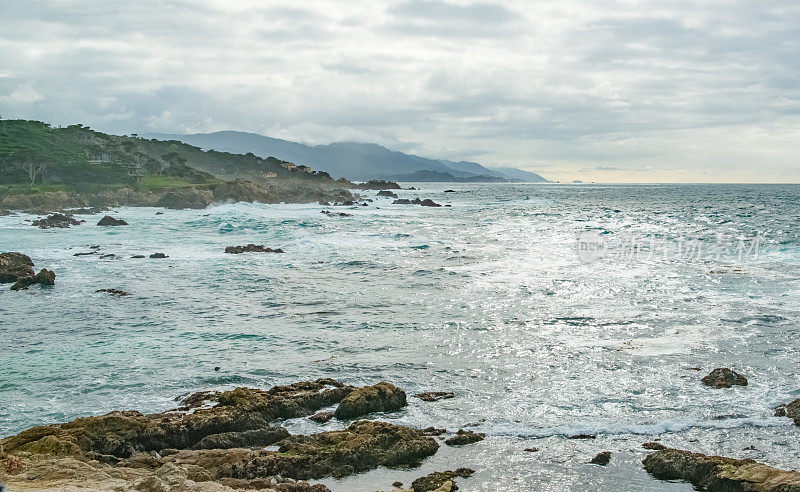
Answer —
549 310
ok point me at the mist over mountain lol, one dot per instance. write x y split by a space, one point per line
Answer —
352 160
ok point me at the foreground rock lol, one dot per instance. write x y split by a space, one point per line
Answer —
383 397
724 378
251 248
716 473
212 441
440 480
61 221
601 459
14 266
111 221
44 277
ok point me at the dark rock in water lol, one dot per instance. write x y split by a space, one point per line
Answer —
113 292
717 473
412 188
88 211
601 459
583 436
85 253
186 198
429 203
463 437
397 484
402 201
251 248
56 221
4 213
436 480
217 368
449 191
158 255
387 193
108 256
44 277
654 446
435 395
159 213
433 431
335 214
324 203
138 256
111 221
321 417
382 397
531 450
791 410
724 378
14 266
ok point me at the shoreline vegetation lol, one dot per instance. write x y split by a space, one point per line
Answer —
45 168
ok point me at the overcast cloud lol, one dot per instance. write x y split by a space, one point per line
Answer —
577 89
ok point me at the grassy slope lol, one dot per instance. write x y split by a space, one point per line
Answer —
161 164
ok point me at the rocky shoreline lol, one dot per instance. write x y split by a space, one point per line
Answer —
229 440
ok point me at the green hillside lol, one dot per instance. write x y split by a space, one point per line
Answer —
35 156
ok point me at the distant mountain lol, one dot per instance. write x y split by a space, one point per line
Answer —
437 176
515 174
352 160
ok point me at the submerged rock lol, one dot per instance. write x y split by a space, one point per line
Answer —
435 395
382 397
463 437
437 480
601 459
111 221
113 292
717 473
723 377
251 248
14 266
62 221
335 214
402 201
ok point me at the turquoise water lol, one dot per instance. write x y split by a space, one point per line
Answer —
488 298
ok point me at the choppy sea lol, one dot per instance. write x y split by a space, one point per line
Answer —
550 310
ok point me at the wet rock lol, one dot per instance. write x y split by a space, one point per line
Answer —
433 431
4 213
531 450
463 437
583 436
321 417
429 203
387 193
85 253
138 256
654 446
266 436
186 198
791 410
44 277
335 214
111 221
435 395
436 480
158 256
382 397
251 248
449 191
717 473
601 459
724 378
113 292
14 266
402 201
62 221
397 484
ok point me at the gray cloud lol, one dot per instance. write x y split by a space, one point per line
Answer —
683 90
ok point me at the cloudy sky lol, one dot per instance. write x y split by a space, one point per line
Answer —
603 90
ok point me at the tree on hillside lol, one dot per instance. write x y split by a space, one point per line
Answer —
33 168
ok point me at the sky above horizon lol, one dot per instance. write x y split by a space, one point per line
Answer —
596 90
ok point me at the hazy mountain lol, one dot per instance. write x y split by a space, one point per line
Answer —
515 174
352 160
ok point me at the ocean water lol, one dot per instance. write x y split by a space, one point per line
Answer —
491 298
